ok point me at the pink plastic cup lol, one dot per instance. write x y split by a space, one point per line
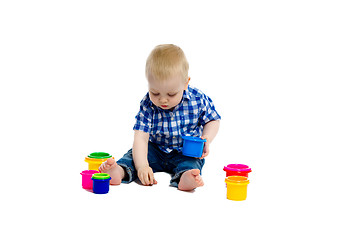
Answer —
87 182
237 170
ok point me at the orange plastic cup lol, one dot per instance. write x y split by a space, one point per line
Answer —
94 163
237 187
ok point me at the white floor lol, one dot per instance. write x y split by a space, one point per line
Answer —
281 204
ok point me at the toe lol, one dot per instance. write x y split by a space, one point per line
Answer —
195 172
110 161
101 168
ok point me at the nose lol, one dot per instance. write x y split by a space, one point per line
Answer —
163 100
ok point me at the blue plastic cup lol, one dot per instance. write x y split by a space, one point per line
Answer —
101 183
193 146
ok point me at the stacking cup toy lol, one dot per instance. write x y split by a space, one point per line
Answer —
237 188
237 170
101 183
86 178
193 146
95 159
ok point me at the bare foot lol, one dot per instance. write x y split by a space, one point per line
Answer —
190 180
115 171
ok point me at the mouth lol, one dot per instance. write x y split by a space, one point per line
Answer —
164 106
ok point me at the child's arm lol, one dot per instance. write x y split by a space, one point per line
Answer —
210 130
140 150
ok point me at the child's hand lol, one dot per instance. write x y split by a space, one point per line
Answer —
205 148
146 175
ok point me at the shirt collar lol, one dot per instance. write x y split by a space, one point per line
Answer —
186 94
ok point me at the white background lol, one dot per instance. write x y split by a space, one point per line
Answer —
72 76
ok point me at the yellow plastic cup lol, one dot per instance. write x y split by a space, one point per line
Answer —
94 163
237 188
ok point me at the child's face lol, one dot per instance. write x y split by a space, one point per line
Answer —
168 93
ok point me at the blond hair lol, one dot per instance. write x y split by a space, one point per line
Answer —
167 60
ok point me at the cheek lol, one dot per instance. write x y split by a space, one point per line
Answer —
177 99
152 98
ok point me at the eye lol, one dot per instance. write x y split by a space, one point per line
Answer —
154 94
172 94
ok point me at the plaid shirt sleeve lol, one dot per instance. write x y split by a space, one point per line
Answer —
208 111
144 116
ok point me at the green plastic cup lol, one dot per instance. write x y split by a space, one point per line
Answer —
99 155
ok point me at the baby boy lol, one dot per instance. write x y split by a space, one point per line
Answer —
171 109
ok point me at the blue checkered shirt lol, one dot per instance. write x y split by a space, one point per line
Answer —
166 127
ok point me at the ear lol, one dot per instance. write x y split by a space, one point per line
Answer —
187 84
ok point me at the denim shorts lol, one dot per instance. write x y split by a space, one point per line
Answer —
174 163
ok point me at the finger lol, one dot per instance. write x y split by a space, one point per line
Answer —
141 178
151 178
204 152
146 179
204 137
204 155
206 145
